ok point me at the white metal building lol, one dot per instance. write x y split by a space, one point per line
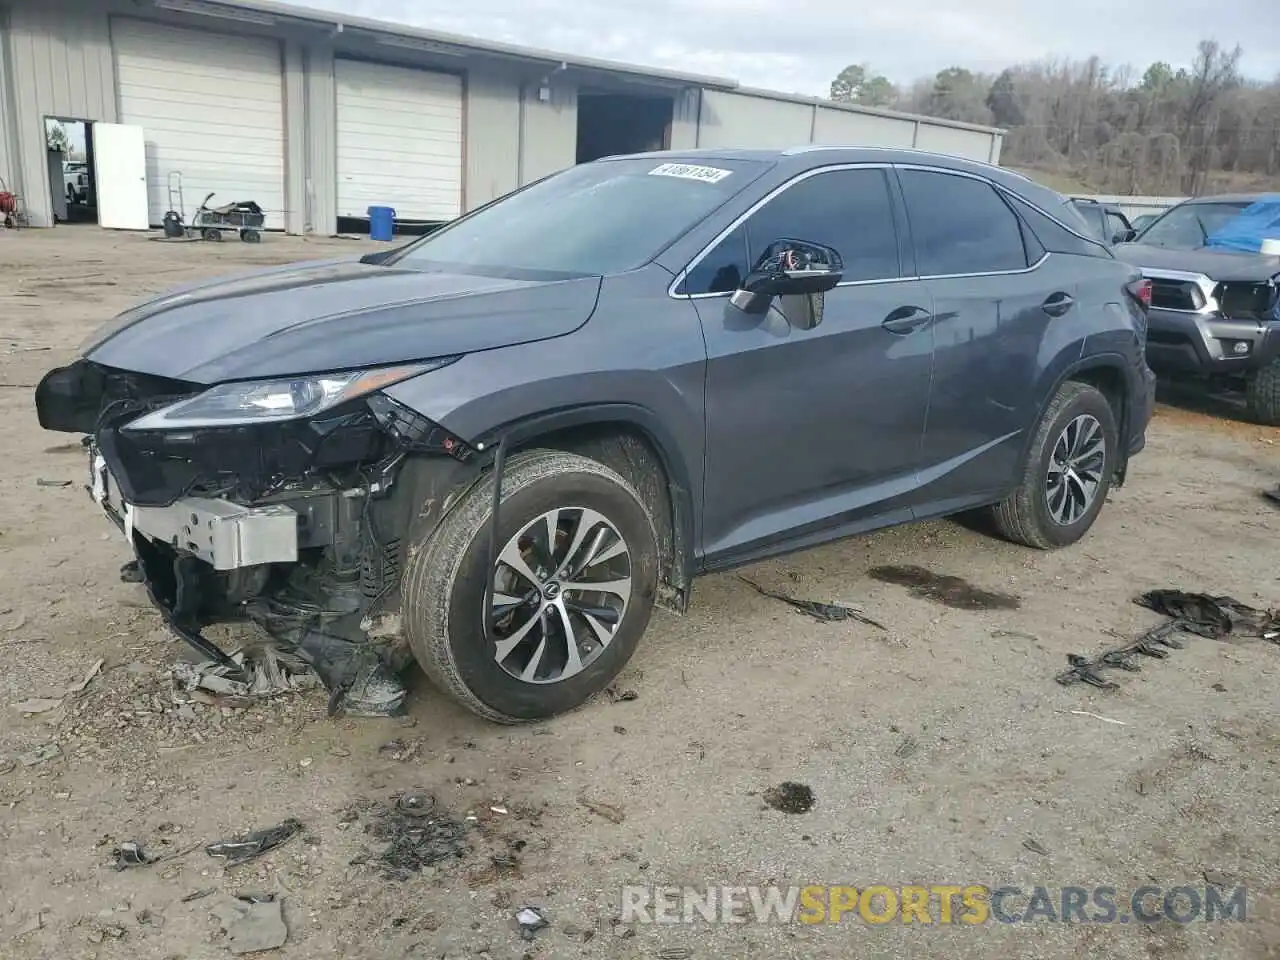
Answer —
317 116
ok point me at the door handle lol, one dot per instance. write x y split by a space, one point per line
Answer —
1058 304
906 319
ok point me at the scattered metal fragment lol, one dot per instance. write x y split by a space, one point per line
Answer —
130 854
1035 847
252 926
198 895
790 797
531 920
252 845
620 696
619 730
1098 716
416 804
675 953
1191 613
42 482
607 810
825 612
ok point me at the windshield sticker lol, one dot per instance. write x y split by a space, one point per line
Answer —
689 171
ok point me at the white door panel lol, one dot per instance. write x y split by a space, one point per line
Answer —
120 176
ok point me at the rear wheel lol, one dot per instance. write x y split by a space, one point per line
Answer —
573 588
211 234
1262 392
1067 473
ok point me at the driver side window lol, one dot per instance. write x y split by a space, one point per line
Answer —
849 210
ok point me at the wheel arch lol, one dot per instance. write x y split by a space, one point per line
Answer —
633 441
1109 374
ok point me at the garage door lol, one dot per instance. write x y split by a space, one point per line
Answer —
399 141
211 107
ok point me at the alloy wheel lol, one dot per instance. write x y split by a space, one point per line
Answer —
1076 469
561 588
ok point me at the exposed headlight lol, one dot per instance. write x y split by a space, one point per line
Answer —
274 401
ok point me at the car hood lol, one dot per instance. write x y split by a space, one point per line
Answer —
333 315
1214 264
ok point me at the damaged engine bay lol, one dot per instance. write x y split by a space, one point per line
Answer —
298 524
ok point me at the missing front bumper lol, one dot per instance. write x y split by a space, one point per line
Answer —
225 535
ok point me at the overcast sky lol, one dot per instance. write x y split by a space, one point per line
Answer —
798 46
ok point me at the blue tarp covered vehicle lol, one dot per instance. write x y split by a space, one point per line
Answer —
1257 222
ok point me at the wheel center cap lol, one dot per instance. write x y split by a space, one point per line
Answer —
551 590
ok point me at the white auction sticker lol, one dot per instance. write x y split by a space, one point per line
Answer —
689 171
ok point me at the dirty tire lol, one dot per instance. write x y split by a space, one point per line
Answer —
1262 391
445 581
1024 517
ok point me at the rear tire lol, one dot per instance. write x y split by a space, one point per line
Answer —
1063 486
446 578
1262 392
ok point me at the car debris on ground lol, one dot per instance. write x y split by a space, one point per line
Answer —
608 811
261 671
252 923
1213 617
130 854
415 835
824 612
252 845
531 920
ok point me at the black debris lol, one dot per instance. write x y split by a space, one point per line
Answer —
131 572
1035 846
825 612
41 482
130 854
252 845
790 797
1190 613
415 836
198 895
950 591
1273 495
620 696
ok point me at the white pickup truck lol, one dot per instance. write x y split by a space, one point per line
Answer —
75 177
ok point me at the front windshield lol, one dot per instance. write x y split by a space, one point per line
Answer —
1190 226
595 218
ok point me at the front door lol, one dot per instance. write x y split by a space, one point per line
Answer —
813 428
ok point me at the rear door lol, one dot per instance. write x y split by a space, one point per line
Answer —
809 428
995 293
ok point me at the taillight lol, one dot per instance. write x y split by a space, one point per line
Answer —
1140 290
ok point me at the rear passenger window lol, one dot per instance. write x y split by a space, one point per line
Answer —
960 225
849 210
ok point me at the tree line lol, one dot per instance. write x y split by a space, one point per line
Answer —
1187 130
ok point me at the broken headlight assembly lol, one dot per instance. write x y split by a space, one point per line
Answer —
274 401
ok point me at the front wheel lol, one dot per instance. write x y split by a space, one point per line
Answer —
573 588
1262 392
1067 473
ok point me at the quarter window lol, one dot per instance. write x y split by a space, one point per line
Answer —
960 225
849 210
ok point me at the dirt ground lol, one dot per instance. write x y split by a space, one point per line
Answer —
940 751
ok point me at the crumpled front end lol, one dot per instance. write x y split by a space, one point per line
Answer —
298 524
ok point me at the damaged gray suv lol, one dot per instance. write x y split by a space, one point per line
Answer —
498 447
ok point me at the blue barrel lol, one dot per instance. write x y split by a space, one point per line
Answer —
382 223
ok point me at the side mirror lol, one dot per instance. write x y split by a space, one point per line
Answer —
1124 236
789 268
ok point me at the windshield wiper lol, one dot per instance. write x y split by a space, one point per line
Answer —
1204 234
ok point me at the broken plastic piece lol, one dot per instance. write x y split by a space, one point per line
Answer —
130 854
251 845
252 925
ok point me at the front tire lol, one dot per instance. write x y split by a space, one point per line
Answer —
1067 473
1262 392
566 524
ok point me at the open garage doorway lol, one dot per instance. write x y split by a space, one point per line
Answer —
72 190
616 123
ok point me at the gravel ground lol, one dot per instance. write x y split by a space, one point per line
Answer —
939 751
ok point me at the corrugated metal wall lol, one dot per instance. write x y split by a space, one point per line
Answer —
737 120
8 145
61 66
836 126
548 131
491 137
